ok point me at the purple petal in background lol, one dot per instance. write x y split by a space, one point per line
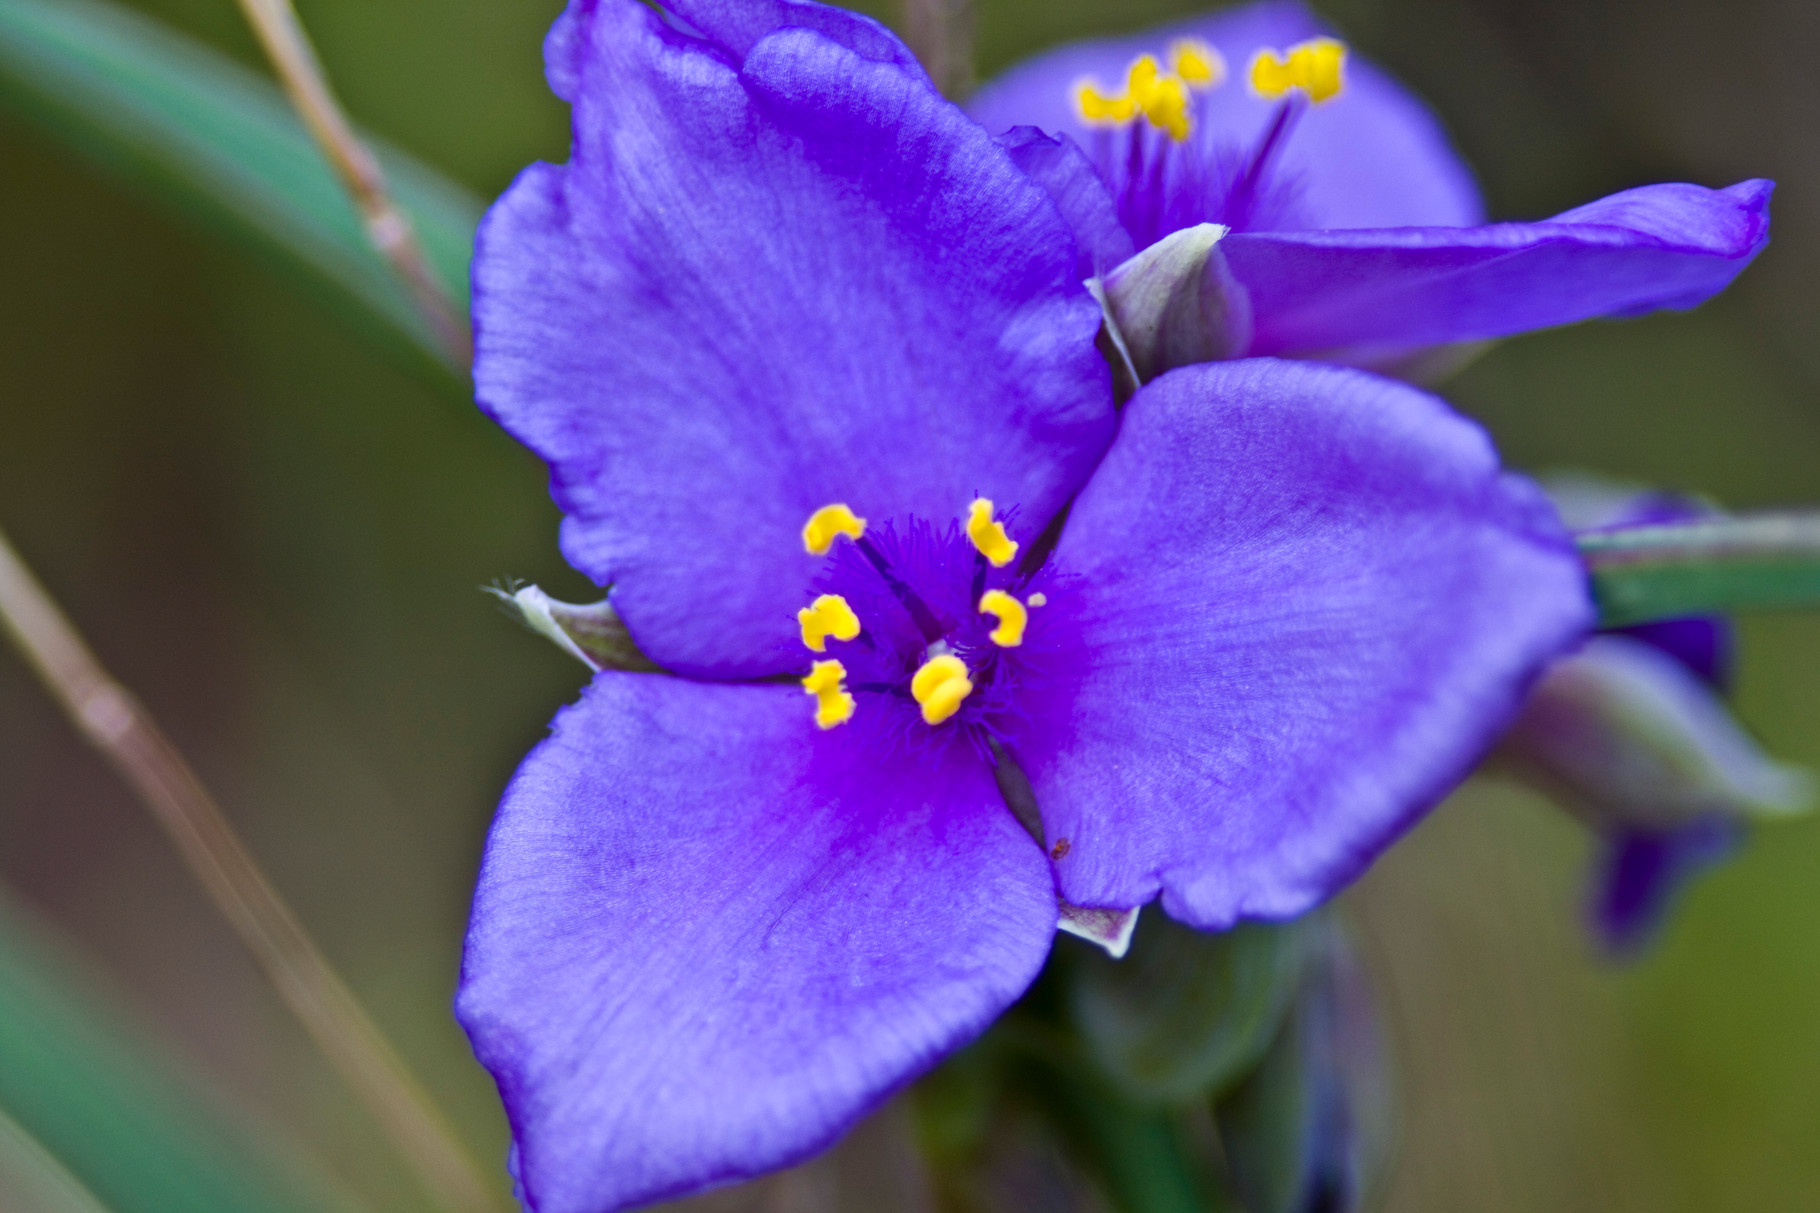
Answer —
1373 157
758 289
1307 600
707 937
1358 295
1641 873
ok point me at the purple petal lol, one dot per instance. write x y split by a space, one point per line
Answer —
1060 167
1306 601
707 938
1373 157
1362 296
737 26
1640 874
759 289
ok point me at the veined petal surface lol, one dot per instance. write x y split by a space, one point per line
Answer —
759 287
1373 157
737 26
707 938
1065 173
1359 295
1307 599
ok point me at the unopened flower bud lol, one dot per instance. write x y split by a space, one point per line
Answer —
1309 1129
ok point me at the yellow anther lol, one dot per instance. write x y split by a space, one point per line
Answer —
1159 96
832 703
1314 67
1011 615
940 686
827 616
989 536
826 523
1162 97
1199 64
1098 109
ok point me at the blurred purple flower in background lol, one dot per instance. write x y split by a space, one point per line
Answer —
1356 233
785 297
1632 735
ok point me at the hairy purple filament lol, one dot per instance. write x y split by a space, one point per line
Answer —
1241 199
1162 186
917 594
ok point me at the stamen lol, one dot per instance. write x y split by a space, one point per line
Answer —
940 686
1314 67
1011 615
988 536
833 706
1199 64
826 523
1159 96
1098 109
827 616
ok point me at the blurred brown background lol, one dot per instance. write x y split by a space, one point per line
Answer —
275 536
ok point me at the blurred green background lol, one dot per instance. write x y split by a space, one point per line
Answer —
274 531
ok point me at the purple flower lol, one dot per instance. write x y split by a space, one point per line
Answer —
814 370
1357 234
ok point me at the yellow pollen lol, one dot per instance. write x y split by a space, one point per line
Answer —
1037 600
827 616
940 686
826 523
1314 67
1159 96
989 536
1011 615
1098 109
1199 64
832 704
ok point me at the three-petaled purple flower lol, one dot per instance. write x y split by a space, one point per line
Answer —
811 359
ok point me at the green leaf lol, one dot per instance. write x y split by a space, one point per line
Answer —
1186 1012
197 129
81 1086
31 1181
1704 566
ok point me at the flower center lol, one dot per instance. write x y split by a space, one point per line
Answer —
923 627
1165 181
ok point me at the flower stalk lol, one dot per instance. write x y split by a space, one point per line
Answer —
387 226
1704 566
112 720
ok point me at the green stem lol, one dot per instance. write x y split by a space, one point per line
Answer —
1704 566
1141 1154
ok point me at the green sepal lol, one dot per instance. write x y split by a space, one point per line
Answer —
592 633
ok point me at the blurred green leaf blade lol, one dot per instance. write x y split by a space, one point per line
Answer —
86 1089
176 117
31 1181
1704 566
